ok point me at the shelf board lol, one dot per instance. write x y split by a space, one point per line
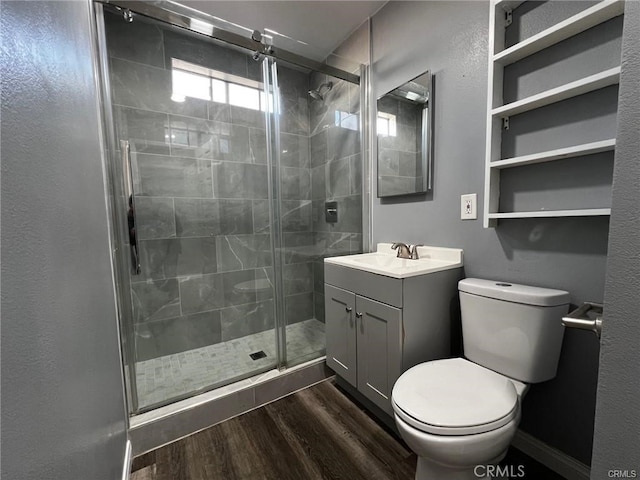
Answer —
569 90
509 4
585 20
589 212
558 154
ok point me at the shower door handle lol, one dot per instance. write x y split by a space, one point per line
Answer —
125 150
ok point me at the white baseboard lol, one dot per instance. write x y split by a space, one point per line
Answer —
128 459
551 457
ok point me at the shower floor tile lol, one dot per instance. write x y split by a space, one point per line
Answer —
181 374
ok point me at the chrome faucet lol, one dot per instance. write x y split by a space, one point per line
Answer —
403 250
414 251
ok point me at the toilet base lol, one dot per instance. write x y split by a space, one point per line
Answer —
429 470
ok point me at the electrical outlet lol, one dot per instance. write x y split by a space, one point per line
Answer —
468 206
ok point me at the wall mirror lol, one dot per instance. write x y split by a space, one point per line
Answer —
403 127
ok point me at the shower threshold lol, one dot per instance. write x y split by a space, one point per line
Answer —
188 373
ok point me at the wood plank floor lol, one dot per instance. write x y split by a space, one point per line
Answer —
317 433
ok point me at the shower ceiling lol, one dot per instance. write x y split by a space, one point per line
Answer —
322 24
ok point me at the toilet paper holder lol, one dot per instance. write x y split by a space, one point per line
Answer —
586 317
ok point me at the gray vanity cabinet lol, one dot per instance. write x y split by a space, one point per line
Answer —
363 343
377 326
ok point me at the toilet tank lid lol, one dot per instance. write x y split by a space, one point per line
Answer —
512 292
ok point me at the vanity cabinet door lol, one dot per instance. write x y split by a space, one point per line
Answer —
379 350
340 308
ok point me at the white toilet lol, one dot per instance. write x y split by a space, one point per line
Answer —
459 415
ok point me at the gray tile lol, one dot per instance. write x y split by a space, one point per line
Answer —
296 215
261 217
146 131
355 167
342 142
236 217
149 88
408 164
200 138
174 335
235 287
298 278
298 247
338 178
350 214
193 49
219 112
165 176
319 182
257 146
242 320
248 117
295 114
295 183
140 43
319 148
155 300
237 180
318 276
202 293
154 218
388 161
298 307
176 257
197 217
242 252
333 244
294 150
292 83
318 307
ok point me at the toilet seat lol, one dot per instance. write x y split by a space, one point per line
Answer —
454 397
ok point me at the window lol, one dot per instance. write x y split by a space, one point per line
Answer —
194 81
386 124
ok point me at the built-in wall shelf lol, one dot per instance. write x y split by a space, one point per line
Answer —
558 154
568 28
564 92
588 212
502 14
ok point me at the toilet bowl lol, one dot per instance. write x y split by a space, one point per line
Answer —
459 415
456 415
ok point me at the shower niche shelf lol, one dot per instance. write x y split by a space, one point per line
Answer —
498 112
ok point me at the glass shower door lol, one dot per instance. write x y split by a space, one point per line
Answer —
318 161
191 151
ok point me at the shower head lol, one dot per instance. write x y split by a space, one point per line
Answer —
319 94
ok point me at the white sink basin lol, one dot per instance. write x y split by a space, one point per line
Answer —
384 261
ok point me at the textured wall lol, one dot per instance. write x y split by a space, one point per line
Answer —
451 40
617 428
63 413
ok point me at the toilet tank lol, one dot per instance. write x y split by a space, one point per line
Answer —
515 330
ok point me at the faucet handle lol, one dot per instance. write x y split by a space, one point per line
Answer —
414 251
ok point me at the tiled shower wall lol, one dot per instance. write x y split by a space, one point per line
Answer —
201 193
336 175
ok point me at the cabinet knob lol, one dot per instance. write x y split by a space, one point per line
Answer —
358 315
348 309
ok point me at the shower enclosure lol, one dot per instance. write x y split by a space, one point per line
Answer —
227 168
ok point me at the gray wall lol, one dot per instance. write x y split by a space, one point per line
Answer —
63 414
617 428
451 40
